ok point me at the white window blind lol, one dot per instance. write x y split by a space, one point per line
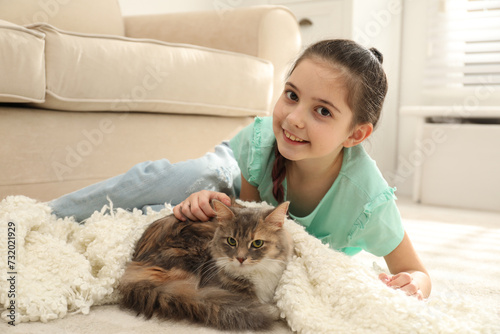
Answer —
463 45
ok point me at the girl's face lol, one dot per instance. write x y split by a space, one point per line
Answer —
311 119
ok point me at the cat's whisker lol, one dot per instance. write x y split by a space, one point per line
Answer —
212 270
271 266
276 260
273 261
199 268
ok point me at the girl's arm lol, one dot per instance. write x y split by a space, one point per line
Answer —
197 206
409 273
248 192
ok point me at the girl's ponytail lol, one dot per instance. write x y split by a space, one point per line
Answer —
278 175
377 55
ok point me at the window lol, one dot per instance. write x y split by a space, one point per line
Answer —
463 50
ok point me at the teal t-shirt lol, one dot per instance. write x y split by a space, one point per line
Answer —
359 210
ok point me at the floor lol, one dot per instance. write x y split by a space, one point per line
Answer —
414 211
460 249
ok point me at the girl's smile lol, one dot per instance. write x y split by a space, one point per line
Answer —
292 138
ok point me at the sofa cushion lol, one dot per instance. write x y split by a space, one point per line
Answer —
108 73
88 16
22 64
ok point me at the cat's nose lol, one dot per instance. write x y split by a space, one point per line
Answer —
241 259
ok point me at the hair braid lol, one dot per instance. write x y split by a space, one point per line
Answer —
278 175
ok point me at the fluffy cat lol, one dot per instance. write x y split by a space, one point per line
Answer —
221 273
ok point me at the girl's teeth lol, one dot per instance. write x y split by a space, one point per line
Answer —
292 137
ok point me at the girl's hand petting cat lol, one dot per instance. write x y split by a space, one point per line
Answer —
403 281
197 206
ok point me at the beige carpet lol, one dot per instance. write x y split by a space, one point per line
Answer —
461 249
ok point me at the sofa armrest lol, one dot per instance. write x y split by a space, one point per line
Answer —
268 32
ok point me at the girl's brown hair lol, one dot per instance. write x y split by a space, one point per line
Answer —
366 84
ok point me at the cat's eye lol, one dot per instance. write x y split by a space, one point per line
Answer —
257 243
231 242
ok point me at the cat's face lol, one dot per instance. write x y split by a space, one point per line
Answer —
249 239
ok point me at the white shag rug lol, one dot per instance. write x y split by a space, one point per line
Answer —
58 267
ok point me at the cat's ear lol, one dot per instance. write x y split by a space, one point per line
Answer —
222 211
278 216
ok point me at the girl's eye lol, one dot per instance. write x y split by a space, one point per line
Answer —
231 242
323 111
257 243
291 95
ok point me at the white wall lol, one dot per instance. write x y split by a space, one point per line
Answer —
378 23
413 53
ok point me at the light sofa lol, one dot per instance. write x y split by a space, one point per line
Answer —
86 93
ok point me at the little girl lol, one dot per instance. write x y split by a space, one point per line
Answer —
308 153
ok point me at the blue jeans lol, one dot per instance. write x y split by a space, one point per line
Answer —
154 183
